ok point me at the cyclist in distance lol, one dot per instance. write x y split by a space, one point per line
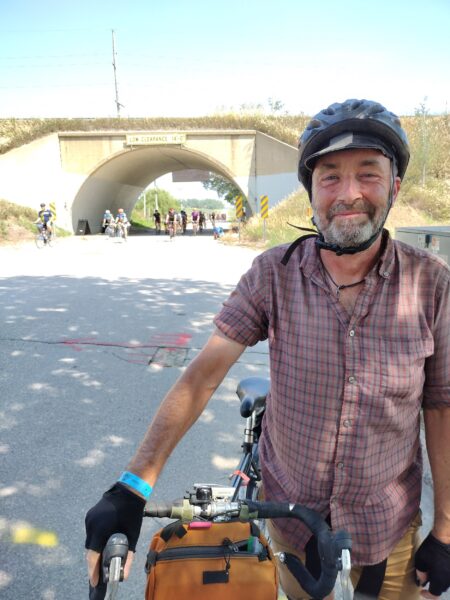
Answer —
107 219
171 221
183 220
45 218
157 220
201 221
122 222
358 326
194 217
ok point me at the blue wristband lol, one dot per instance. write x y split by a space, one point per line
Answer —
135 482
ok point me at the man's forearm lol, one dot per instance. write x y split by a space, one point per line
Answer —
183 405
437 430
176 414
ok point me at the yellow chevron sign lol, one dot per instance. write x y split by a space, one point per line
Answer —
239 209
264 207
53 209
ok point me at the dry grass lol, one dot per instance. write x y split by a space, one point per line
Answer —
16 132
17 223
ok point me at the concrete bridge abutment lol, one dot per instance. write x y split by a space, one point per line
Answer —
84 173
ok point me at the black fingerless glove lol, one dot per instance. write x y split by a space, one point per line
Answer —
433 557
119 511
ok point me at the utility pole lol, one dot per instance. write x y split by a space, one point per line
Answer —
118 105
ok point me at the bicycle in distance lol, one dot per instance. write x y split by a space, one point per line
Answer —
171 223
44 237
215 545
121 231
110 230
171 229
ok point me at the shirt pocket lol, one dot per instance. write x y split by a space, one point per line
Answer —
403 367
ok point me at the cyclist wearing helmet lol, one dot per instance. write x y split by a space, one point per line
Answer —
45 218
358 327
108 219
171 221
122 222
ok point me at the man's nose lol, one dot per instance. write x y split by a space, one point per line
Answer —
350 189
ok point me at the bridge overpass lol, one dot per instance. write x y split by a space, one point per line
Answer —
86 172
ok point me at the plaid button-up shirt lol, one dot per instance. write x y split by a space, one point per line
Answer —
341 431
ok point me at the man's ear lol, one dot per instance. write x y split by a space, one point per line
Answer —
397 186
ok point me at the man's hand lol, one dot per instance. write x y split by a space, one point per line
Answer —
119 511
432 562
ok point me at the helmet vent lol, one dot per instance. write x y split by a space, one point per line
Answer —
329 111
356 104
375 109
314 124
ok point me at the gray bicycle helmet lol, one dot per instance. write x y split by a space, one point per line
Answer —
352 124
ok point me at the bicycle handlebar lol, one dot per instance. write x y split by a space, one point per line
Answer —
331 545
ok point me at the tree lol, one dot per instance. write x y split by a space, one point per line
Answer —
276 106
224 188
206 204
162 198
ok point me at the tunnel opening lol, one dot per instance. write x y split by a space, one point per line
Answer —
119 181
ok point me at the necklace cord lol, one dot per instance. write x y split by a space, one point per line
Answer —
344 286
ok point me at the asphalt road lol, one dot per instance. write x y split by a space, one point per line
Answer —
94 332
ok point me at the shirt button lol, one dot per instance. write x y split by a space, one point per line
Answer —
386 274
340 465
347 423
351 379
351 333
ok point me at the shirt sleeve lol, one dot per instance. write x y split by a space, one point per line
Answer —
244 317
437 369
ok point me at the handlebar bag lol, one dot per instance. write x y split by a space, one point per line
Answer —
204 560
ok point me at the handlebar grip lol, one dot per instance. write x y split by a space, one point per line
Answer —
116 547
158 509
330 545
275 510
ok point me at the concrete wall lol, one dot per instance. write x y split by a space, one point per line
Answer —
30 174
87 172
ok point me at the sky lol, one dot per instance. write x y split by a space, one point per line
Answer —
196 57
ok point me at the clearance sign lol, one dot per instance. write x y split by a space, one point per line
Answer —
155 139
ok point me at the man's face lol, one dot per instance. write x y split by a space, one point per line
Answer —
350 195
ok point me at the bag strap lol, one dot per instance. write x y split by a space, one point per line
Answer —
175 528
254 529
371 581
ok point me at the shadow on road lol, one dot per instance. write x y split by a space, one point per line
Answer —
86 362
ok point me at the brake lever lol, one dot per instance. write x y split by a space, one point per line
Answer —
344 574
113 562
114 577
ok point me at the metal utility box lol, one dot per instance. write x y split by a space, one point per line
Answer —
435 239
